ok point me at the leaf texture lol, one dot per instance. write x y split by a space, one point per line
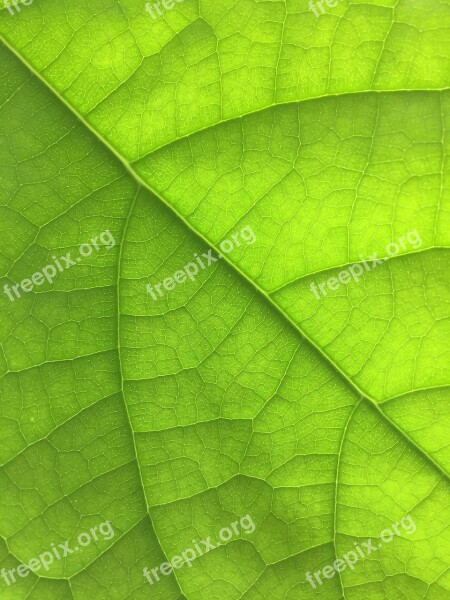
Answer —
240 392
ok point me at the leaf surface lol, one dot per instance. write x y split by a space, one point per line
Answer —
240 392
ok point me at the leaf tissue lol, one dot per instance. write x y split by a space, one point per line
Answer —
224 299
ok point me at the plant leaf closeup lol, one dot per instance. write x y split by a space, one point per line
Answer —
250 324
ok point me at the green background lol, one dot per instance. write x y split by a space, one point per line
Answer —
239 393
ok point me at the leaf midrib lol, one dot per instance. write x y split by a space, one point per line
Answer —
142 183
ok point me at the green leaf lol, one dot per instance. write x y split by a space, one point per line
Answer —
324 417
